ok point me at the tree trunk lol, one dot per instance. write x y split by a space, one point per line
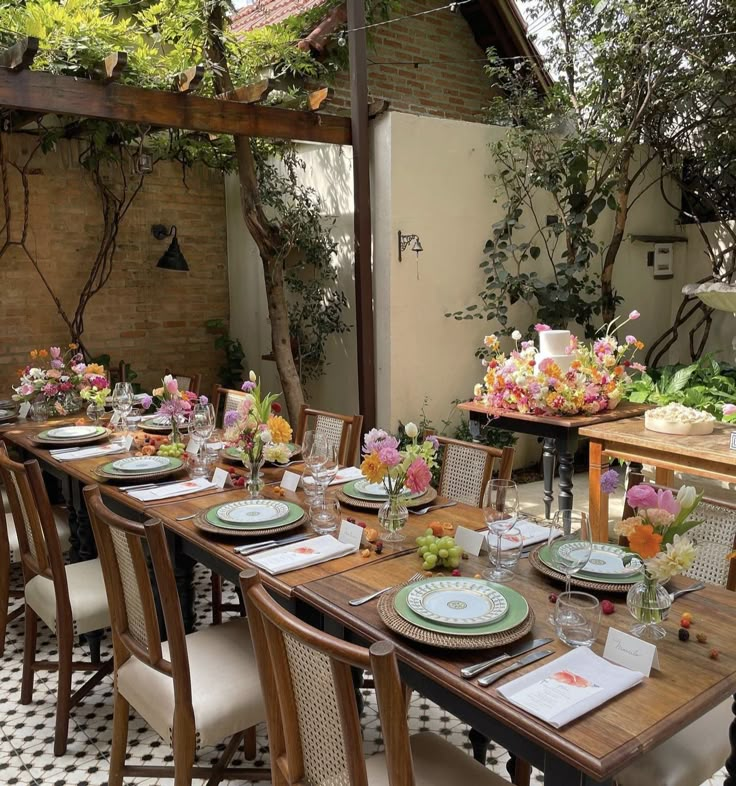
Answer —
619 225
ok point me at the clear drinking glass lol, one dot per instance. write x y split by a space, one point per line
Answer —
122 402
325 515
309 486
201 426
512 544
501 510
577 618
571 542
325 473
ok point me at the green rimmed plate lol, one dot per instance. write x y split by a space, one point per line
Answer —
110 469
546 556
518 610
294 514
233 454
71 433
351 490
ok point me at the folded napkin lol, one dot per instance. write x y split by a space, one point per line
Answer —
569 687
344 475
530 532
171 490
73 455
302 554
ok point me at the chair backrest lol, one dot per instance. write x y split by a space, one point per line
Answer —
226 399
344 431
38 539
467 467
715 537
313 725
122 546
186 382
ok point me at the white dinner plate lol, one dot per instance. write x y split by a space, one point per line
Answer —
249 511
364 486
605 560
458 602
141 463
73 432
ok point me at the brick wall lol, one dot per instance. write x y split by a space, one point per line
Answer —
457 88
151 318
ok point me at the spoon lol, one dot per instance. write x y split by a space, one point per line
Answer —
186 518
675 595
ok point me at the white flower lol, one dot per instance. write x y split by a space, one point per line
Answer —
686 496
168 378
478 390
252 376
678 557
265 436
516 335
277 452
411 430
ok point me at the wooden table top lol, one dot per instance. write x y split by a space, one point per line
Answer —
607 739
624 410
633 434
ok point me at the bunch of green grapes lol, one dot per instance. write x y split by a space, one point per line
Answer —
440 552
173 450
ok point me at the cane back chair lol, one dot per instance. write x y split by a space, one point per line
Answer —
467 467
343 431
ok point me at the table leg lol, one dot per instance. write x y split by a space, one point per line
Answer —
184 575
567 469
598 501
664 477
548 469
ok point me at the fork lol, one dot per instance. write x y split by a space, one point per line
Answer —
428 508
366 598
675 595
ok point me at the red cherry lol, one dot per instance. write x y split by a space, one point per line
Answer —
456 572
607 607
552 597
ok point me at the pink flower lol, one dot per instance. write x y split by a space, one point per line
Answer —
65 386
729 409
540 327
50 390
389 456
638 367
666 501
53 373
172 386
659 518
26 390
642 496
418 476
55 352
631 339
634 314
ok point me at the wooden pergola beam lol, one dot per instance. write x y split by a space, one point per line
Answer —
188 81
38 91
20 55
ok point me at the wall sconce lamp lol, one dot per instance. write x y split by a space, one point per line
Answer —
405 240
172 259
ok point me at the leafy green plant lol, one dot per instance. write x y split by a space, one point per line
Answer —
707 384
231 372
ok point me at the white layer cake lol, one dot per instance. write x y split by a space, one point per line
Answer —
678 419
553 345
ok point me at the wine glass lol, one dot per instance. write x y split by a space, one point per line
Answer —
202 424
122 402
500 510
571 542
326 472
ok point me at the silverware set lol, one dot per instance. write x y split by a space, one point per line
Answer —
429 508
264 545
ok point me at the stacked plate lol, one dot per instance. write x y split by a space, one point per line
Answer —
8 411
139 468
251 517
71 435
234 454
605 566
457 612
160 424
362 493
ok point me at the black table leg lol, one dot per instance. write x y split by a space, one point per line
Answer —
549 449
184 574
480 745
566 456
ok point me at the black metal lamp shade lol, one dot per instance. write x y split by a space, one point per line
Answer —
172 259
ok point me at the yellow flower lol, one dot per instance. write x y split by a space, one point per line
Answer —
95 368
279 428
158 392
373 468
34 353
73 346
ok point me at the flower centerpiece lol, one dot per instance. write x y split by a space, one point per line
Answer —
175 404
594 382
657 534
258 431
408 470
95 390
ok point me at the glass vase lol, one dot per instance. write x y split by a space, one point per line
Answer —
649 604
39 411
393 516
175 435
254 482
95 412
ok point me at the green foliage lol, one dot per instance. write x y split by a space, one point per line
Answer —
232 372
489 435
707 385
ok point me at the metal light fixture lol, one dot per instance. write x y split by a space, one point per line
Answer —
405 240
172 259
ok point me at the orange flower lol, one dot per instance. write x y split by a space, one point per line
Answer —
279 428
95 368
373 468
34 353
639 345
645 541
73 346
43 353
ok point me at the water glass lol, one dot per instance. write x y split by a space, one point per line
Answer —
500 510
571 541
122 402
325 515
577 618
314 450
507 557
310 487
325 473
201 426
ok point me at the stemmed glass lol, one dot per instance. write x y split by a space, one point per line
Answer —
500 510
202 424
571 542
325 473
314 453
122 402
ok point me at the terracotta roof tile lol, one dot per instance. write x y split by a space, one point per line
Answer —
268 12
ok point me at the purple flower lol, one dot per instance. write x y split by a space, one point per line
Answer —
203 400
146 401
374 439
642 496
55 352
56 363
231 418
389 456
631 339
609 481
248 386
435 442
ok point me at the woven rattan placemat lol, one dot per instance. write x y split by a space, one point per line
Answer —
364 504
393 620
575 581
138 476
201 523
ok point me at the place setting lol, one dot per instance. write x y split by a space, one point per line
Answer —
8 411
250 518
70 435
139 468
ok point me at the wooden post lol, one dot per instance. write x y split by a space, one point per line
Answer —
362 213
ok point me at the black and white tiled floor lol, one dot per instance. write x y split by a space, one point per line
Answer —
26 732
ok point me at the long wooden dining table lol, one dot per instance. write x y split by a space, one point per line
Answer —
589 750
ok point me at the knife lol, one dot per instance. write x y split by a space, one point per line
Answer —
511 652
267 544
535 656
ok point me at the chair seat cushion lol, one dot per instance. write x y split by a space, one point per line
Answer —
86 596
436 763
689 758
226 690
62 527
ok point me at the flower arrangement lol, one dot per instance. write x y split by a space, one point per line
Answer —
175 404
256 428
595 382
410 468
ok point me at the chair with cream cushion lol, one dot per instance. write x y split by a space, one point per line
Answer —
194 690
313 724
70 599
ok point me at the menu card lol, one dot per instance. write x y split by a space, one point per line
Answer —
72 455
302 554
530 532
570 686
343 476
172 490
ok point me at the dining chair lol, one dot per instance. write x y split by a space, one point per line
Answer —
344 431
699 750
187 382
228 399
195 690
10 555
69 599
466 468
314 733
